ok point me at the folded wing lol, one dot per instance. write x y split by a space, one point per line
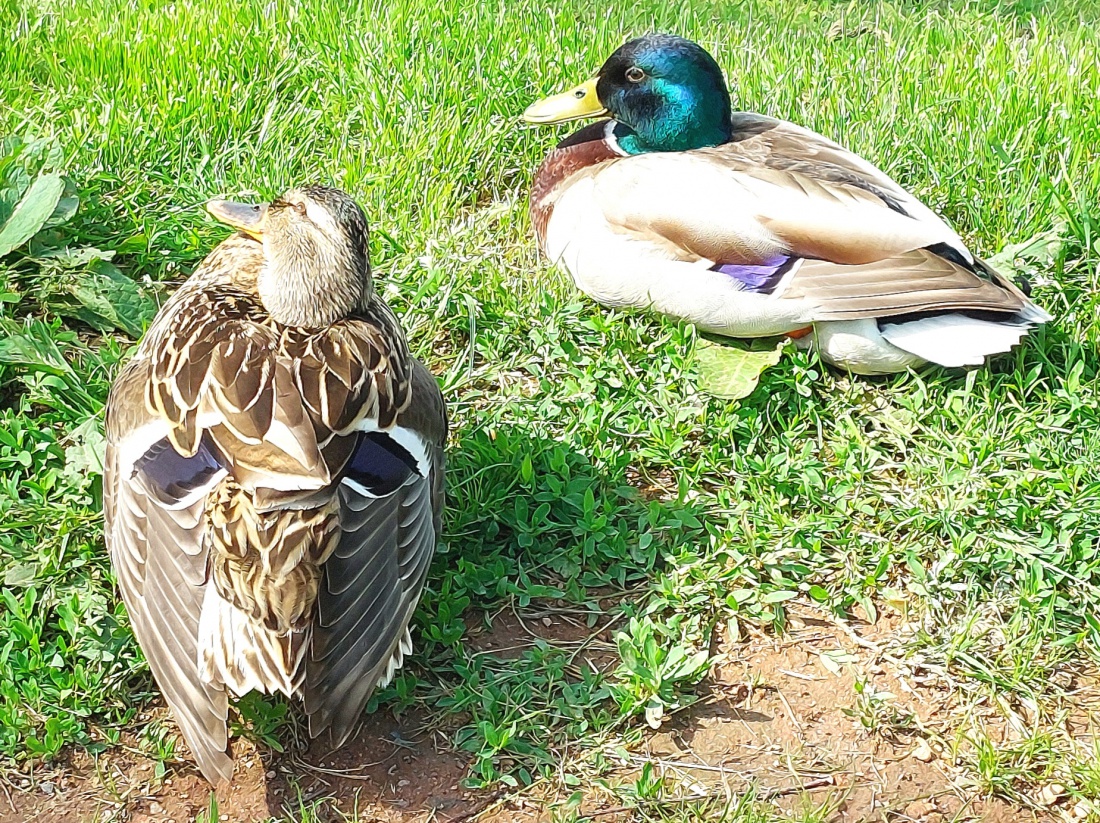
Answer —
863 246
156 549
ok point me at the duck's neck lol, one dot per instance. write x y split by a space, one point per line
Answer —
688 124
309 296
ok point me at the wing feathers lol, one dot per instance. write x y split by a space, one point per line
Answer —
776 144
162 588
371 587
913 282
774 191
720 208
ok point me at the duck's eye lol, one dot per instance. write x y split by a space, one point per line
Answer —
300 208
635 74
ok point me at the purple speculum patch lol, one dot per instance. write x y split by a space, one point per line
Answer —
762 278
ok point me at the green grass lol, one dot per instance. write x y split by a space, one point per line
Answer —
974 497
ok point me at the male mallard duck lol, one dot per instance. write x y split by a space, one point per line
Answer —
749 226
274 476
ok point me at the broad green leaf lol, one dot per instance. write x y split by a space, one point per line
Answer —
731 371
1042 250
10 146
14 182
20 575
32 212
778 597
743 595
10 195
133 244
63 212
85 454
111 300
42 152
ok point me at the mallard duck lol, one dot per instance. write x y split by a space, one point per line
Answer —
274 475
749 226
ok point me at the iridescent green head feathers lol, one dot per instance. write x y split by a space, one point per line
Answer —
667 94
664 92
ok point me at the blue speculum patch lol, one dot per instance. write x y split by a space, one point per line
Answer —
380 464
170 477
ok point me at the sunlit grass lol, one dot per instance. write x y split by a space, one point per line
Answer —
973 497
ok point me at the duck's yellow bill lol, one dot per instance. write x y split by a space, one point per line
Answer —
569 105
241 216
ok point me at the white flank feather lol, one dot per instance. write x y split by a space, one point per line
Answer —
955 339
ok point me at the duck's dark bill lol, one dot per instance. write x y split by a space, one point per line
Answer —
569 105
242 216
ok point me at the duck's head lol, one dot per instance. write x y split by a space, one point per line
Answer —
316 267
665 92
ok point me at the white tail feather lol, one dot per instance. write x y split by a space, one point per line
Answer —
1033 313
247 656
955 339
397 659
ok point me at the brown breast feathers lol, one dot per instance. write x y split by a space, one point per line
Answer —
580 150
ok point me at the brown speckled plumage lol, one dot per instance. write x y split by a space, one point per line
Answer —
214 348
268 564
245 558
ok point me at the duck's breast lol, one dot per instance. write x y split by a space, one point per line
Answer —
582 150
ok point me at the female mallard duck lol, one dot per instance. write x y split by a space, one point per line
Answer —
274 476
748 226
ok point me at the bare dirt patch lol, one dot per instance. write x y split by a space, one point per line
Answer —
381 775
801 720
783 717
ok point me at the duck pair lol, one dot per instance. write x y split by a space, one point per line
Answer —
274 474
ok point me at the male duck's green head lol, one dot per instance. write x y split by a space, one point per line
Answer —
665 93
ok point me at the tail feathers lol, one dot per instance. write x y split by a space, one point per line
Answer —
245 655
404 647
1035 314
958 340
1031 312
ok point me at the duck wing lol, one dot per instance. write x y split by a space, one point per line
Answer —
154 536
909 283
840 235
391 499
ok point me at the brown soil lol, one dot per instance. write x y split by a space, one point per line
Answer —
771 716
